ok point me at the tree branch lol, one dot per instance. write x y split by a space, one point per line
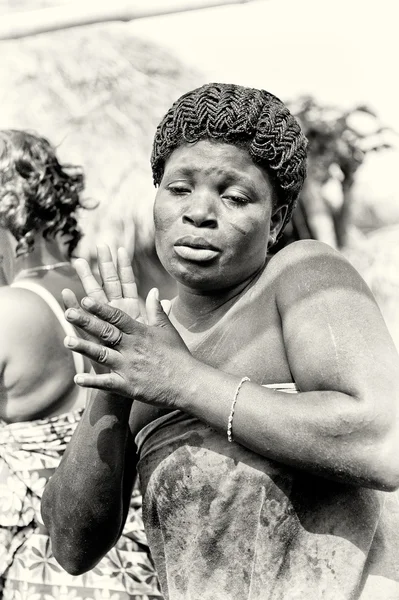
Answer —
76 14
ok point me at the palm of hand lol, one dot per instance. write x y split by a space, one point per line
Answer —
118 288
131 306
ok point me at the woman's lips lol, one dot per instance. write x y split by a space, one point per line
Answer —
195 248
195 254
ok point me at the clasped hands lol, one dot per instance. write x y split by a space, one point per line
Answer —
135 352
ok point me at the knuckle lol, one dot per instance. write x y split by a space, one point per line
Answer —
84 322
107 332
115 316
102 355
84 318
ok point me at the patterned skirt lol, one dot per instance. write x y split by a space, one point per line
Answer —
29 454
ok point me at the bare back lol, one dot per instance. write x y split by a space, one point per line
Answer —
36 370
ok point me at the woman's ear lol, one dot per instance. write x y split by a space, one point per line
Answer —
276 223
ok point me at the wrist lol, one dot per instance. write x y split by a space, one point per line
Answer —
208 394
108 404
181 381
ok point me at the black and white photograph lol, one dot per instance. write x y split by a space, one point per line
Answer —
199 300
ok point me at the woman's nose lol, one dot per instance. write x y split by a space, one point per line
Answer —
201 212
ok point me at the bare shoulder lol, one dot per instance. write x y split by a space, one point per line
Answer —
24 313
21 303
306 267
334 334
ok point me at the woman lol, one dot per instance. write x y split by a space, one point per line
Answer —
248 491
39 404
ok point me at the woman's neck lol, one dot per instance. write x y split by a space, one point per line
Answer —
197 310
44 253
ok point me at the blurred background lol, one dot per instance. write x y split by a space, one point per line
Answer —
96 78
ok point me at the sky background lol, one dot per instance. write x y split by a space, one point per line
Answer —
342 51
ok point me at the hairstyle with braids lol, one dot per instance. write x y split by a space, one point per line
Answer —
37 193
246 117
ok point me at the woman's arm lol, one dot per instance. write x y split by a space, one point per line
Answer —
85 503
344 422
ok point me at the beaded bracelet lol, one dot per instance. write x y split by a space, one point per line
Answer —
233 405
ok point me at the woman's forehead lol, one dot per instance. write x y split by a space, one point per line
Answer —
212 158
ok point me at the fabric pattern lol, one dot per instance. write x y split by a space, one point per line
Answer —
29 454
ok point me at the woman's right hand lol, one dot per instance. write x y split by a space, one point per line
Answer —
118 289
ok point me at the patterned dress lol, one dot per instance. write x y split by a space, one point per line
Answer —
29 454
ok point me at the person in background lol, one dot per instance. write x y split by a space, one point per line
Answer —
40 405
264 408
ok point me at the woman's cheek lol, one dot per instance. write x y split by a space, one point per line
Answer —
163 214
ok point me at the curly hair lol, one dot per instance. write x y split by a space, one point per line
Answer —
37 193
246 117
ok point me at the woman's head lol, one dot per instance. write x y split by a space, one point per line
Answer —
38 195
245 117
229 162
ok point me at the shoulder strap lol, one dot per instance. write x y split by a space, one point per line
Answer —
58 312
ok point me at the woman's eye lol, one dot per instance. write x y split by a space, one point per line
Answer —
236 199
178 190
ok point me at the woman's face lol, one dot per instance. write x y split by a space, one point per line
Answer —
213 214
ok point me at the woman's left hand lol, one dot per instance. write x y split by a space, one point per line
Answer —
147 363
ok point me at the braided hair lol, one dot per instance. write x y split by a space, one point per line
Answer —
253 119
37 193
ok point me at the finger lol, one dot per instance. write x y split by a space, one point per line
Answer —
90 325
155 312
111 284
105 381
126 275
110 314
167 306
69 299
95 352
89 282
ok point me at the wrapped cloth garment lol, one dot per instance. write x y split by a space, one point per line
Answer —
224 523
29 454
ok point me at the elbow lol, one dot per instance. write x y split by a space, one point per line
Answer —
74 548
386 481
387 472
73 562
72 568
70 565
377 454
380 463
73 553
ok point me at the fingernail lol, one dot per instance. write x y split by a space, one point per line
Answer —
71 313
88 302
78 379
70 341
